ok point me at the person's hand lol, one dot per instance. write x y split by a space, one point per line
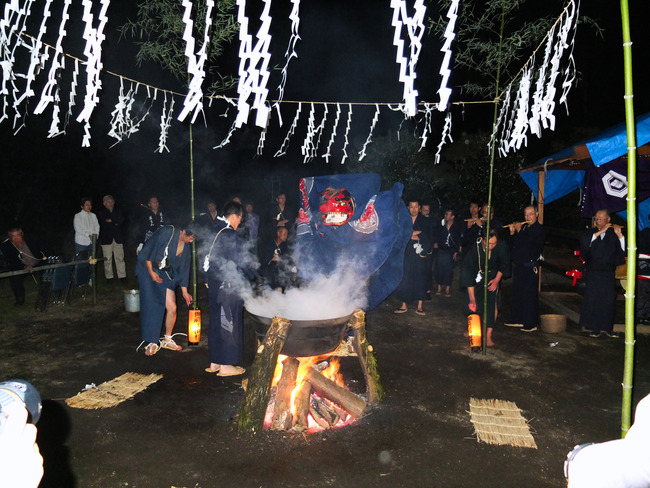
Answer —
493 284
619 231
275 258
21 463
435 246
472 304
155 277
415 235
188 298
282 223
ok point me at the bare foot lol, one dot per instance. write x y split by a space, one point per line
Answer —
490 343
214 368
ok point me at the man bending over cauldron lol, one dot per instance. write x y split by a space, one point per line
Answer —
224 264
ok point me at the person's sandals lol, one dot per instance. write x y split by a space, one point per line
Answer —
208 370
151 349
420 312
401 310
168 343
236 371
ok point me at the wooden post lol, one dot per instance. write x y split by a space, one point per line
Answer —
541 178
282 417
374 390
258 393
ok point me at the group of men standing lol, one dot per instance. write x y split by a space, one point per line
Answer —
513 250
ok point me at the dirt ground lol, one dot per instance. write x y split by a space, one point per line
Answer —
179 432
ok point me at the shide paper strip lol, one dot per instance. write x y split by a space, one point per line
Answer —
415 29
570 70
518 135
308 143
123 124
165 123
51 89
328 152
362 153
93 52
444 91
36 59
12 27
253 67
538 95
347 132
195 62
428 114
289 54
446 134
54 128
285 143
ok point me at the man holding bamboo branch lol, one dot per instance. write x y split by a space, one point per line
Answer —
527 244
602 248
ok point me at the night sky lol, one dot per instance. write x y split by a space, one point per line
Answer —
345 55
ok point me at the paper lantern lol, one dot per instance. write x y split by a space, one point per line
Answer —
194 327
474 330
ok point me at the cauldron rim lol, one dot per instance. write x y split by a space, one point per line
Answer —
308 337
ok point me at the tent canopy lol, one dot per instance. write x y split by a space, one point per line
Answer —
565 170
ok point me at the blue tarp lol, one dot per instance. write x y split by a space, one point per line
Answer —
603 147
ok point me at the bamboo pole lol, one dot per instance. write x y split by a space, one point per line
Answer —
628 370
487 227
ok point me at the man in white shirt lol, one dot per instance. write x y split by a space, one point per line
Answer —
85 225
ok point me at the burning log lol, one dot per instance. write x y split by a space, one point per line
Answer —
374 390
300 421
258 393
282 417
317 417
325 411
352 403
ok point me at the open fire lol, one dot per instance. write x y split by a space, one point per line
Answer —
295 405
306 394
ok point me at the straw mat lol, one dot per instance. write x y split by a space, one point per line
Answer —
113 392
500 422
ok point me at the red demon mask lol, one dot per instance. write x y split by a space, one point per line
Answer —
336 206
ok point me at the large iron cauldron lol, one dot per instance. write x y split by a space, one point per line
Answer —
307 337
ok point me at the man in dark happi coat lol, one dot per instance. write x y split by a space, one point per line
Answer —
472 276
602 248
527 244
416 279
225 265
163 264
447 241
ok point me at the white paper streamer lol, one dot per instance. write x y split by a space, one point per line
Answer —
195 62
253 67
518 135
71 103
260 143
307 146
538 96
428 112
446 134
347 132
123 124
227 138
165 123
289 54
51 89
570 70
328 152
93 52
36 59
285 144
362 153
444 91
12 27
320 129
415 29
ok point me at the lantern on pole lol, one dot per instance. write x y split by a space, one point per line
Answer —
194 327
474 331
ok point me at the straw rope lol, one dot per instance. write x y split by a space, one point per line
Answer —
500 422
113 392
